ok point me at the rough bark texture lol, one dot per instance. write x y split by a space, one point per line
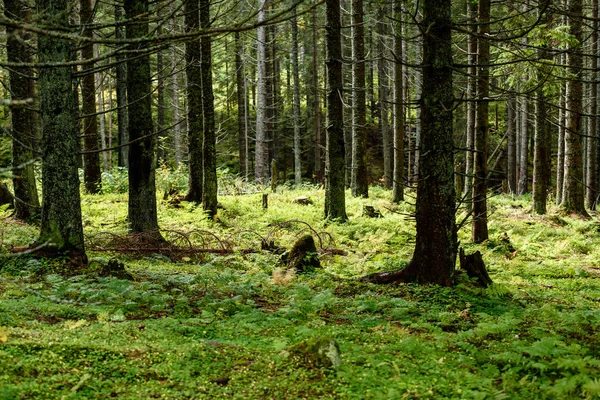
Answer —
194 98
560 152
591 193
436 242
92 175
209 151
121 89
388 161
241 105
142 186
61 224
360 178
573 192
296 84
471 105
542 163
511 147
398 185
523 147
23 126
479 231
261 166
319 168
335 201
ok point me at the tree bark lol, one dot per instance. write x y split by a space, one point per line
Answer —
23 129
479 231
209 151
242 99
261 164
398 184
92 175
296 101
523 147
388 160
61 224
121 77
511 133
335 201
142 212
360 178
471 104
319 168
591 193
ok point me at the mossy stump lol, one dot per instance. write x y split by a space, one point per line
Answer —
303 256
319 351
475 267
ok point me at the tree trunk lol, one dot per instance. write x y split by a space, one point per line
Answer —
194 99
92 175
209 153
101 114
23 131
560 157
319 168
142 163
296 101
591 193
471 104
523 147
542 162
479 230
161 105
335 201
573 191
511 133
121 77
178 143
242 99
261 154
388 161
398 185
360 178
61 224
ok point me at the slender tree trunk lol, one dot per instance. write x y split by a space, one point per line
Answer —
178 143
296 101
383 101
241 104
523 147
573 192
591 193
121 76
335 201
92 175
142 213
209 153
61 225
101 115
161 105
261 154
479 226
398 184
194 101
560 158
471 104
418 120
542 162
511 133
23 130
319 168
360 178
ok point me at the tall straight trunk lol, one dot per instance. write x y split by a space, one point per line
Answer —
61 224
319 168
383 100
261 154
101 115
591 193
23 130
398 184
360 178
511 133
209 149
121 85
560 157
523 146
471 104
142 213
92 175
161 105
241 104
178 142
479 231
335 201
274 86
194 101
296 101
542 162
573 191
418 120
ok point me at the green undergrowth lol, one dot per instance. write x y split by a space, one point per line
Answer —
223 326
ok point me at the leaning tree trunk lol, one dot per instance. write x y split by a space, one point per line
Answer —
23 129
436 242
360 178
142 212
335 201
479 231
573 191
92 175
398 185
61 225
194 98
209 152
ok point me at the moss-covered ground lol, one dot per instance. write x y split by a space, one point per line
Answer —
219 326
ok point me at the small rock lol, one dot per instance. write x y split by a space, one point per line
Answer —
319 351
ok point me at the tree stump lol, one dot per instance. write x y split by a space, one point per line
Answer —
475 267
6 196
371 212
303 200
265 200
303 256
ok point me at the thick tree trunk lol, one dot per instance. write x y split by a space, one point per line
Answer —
335 201
360 178
194 101
23 130
591 193
573 191
209 151
121 77
479 231
142 212
61 224
92 175
398 185
434 258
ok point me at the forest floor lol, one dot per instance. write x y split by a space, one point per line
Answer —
213 326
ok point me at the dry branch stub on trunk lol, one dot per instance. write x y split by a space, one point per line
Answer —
475 267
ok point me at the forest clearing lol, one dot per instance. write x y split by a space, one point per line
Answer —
225 325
